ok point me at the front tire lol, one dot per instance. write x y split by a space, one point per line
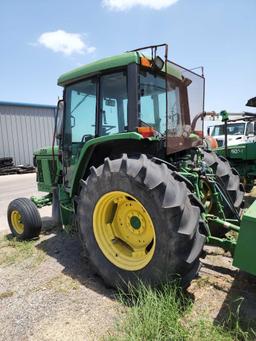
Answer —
138 221
24 219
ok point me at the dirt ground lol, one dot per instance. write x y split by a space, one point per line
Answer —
51 294
48 291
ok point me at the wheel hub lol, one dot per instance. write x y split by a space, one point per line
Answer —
124 230
17 222
135 222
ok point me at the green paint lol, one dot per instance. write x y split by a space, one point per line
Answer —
224 223
224 115
243 158
88 150
246 151
47 151
135 222
224 243
45 174
109 63
245 252
40 202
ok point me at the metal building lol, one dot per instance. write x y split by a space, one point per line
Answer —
24 128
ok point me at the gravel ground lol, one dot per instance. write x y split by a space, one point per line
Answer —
222 291
53 295
48 291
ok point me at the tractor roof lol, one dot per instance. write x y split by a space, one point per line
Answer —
108 63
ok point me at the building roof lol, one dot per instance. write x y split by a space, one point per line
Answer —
108 63
32 105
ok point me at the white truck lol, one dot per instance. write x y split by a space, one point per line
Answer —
238 132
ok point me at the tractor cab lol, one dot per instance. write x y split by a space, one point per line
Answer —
128 93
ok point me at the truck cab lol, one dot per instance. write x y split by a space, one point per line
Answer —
238 132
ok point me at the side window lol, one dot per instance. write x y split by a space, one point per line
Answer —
147 110
153 101
81 110
113 103
109 116
249 129
174 110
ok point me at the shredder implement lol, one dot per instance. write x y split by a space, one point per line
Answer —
127 171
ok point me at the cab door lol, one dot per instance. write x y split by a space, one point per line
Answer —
80 123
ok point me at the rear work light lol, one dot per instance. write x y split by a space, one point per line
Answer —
146 131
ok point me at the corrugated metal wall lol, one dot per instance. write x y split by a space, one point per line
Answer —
25 128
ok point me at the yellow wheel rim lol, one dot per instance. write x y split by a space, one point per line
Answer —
207 198
124 230
17 222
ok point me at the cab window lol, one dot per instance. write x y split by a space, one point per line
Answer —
81 110
113 103
152 105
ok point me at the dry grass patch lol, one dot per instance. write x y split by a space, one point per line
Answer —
61 283
13 251
6 294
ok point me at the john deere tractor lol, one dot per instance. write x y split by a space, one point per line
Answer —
130 173
241 153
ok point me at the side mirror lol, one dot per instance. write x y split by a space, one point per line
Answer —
158 63
59 119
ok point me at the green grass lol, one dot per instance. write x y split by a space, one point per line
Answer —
164 314
15 251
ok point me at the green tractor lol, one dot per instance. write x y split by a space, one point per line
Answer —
130 173
242 154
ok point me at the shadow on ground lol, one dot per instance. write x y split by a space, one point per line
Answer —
66 248
240 302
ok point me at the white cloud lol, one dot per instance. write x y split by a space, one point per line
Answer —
122 5
67 43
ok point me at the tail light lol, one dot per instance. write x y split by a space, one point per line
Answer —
146 131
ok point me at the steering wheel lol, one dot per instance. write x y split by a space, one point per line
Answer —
86 137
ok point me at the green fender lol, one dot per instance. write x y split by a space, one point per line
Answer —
88 149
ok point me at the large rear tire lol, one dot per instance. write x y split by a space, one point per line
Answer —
138 221
230 180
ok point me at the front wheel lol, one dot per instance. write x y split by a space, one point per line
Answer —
24 219
138 221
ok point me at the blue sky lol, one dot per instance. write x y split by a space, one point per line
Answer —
218 34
